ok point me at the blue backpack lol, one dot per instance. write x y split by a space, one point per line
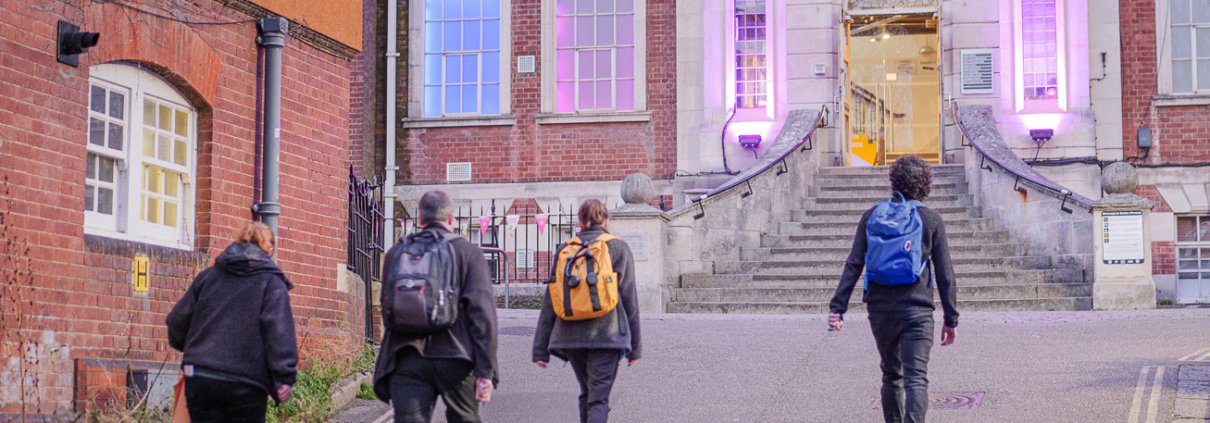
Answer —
894 248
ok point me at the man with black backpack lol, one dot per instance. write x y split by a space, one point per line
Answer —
897 243
440 318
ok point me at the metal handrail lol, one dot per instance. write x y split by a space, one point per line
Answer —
780 160
1032 177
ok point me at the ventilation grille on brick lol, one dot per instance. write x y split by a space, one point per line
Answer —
458 172
977 71
525 259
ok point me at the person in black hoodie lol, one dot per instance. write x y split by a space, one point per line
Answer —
236 330
901 316
594 347
458 364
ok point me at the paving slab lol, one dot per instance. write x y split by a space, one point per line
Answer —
1194 389
1192 409
1195 372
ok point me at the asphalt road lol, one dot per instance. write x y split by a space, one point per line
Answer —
1027 367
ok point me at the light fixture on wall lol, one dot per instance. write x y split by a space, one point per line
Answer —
1040 137
750 142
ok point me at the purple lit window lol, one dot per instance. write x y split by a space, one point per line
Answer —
751 77
461 57
1039 41
1190 20
594 59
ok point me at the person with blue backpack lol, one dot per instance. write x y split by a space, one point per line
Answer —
902 246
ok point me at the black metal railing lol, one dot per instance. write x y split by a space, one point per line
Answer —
365 238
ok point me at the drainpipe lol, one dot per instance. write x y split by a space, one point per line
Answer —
388 192
271 36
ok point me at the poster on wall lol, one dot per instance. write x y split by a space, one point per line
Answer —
1122 237
977 71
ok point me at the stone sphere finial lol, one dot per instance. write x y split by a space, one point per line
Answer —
637 189
1119 178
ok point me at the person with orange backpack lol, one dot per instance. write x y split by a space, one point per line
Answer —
590 313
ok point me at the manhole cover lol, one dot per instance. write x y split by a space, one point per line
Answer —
517 330
947 401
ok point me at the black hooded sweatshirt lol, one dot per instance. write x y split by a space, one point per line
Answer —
235 320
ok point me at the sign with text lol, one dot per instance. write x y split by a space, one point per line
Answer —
141 275
978 71
1122 237
638 244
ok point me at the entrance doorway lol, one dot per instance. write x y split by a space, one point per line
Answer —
1193 259
893 104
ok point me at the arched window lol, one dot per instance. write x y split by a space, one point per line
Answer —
142 139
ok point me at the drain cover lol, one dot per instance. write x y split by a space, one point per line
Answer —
947 401
517 330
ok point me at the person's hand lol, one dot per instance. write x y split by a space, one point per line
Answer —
284 392
541 364
947 335
631 362
483 389
835 321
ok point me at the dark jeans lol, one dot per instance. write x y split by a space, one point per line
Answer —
417 381
904 340
595 370
213 400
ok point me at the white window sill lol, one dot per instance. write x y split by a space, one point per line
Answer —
569 118
136 239
1181 100
460 121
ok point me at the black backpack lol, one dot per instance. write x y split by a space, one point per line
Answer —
421 294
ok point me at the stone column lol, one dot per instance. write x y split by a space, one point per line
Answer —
1122 258
645 229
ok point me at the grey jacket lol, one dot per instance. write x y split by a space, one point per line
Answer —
617 330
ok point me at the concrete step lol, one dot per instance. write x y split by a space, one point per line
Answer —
1031 304
971 278
852 215
956 238
848 229
882 170
841 253
836 197
822 295
883 190
811 203
835 267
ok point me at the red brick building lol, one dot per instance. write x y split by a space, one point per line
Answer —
143 160
1166 97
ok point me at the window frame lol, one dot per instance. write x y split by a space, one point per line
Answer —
1059 103
1201 244
1164 59
549 70
416 66
140 85
113 222
772 28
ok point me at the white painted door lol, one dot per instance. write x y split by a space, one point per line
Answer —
1193 259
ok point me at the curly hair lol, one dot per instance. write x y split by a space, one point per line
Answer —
911 176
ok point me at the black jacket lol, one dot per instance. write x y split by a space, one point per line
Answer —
917 296
473 336
235 320
617 330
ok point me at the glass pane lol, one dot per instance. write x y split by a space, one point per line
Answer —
566 94
104 200
432 101
153 210
1203 42
625 30
470 99
564 7
1186 229
1205 231
90 167
1187 276
148 112
471 35
453 69
432 37
470 9
470 68
432 10
584 6
182 123
604 64
584 31
432 69
605 30
1188 253
1182 43
604 6
117 105
491 67
116 136
604 94
585 65
1186 265
165 122
163 148
491 99
180 153
148 143
1201 11
453 9
564 37
625 6
96 131
1179 11
565 64
491 8
453 99
89 198
105 169
170 214
491 34
585 93
172 181
154 180
1203 74
1182 76
96 99
626 62
625 95
452 38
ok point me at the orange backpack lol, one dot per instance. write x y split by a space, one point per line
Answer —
585 285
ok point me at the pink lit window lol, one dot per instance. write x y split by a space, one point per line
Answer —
1039 43
594 56
750 59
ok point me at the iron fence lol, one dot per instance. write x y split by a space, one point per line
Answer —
365 238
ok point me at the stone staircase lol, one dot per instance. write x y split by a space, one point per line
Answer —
796 269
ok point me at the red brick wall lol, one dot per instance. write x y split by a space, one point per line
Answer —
1182 134
528 152
76 298
1163 254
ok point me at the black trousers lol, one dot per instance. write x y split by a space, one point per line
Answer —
417 381
904 340
213 400
595 370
